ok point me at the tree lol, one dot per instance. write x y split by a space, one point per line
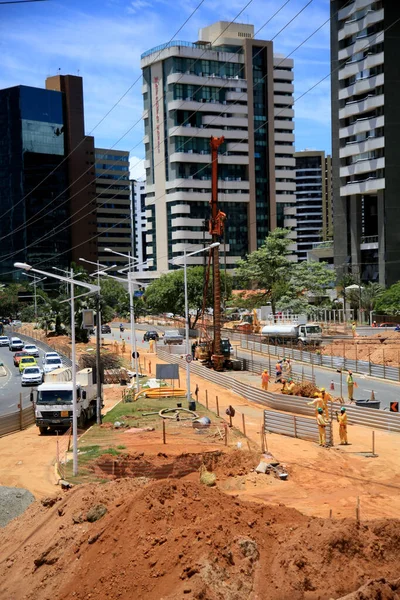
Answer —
268 267
167 293
388 302
114 295
312 277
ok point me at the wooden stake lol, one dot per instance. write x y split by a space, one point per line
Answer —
373 443
217 403
244 424
358 510
20 411
207 399
262 437
330 513
226 434
163 432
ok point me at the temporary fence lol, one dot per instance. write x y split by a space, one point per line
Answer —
298 427
17 421
319 360
378 419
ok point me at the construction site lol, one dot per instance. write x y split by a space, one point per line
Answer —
210 482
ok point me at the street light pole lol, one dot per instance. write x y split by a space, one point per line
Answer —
92 289
185 256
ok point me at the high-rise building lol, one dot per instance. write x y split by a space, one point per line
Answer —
314 200
138 204
113 212
365 38
226 84
38 130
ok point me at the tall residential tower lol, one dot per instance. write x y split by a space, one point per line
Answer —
226 84
365 41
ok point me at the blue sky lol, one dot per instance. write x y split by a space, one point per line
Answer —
102 40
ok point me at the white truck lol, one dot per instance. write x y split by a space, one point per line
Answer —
53 407
310 333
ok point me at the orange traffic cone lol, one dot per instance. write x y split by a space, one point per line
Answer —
332 385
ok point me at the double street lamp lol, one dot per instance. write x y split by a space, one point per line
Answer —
178 258
93 289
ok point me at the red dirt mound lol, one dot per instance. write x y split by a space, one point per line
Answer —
174 539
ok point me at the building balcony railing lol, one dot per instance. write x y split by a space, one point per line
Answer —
369 239
325 244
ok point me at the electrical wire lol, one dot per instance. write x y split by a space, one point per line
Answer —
36 217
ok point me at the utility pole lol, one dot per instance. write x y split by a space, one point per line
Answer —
98 341
216 230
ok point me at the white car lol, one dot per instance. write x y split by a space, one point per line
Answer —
32 376
4 341
15 344
16 323
48 355
51 364
31 349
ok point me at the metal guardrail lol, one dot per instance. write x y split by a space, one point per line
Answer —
294 426
368 417
17 421
322 360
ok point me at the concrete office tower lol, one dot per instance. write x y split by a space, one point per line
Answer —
138 207
39 128
226 84
365 134
314 200
113 213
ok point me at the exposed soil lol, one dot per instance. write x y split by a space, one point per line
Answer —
173 539
381 348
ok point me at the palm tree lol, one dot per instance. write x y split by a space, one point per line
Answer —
370 295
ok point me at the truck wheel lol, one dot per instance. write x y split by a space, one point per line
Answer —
42 430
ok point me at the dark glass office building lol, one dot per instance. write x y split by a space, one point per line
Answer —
35 199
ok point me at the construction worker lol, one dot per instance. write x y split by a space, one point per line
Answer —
353 329
265 380
325 397
350 385
317 403
342 420
278 371
287 367
322 424
290 386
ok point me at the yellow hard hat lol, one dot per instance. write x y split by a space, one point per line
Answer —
322 390
316 395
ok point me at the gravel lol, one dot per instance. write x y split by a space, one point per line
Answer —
13 502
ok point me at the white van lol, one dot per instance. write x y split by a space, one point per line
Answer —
15 344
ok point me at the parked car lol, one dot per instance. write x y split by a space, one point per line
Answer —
5 321
18 356
16 323
32 376
15 344
26 361
51 364
172 337
4 341
105 329
48 355
32 350
150 335
388 324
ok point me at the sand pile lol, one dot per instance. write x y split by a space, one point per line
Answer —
381 348
175 539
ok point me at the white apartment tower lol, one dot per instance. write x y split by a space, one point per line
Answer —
226 84
365 41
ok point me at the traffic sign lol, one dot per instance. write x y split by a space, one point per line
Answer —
189 358
135 354
394 407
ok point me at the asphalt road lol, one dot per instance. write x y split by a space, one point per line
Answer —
10 385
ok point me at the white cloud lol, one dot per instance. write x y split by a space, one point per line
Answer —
136 168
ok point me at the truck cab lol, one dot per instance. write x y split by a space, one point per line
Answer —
311 333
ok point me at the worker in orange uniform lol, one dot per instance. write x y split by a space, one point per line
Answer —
322 424
342 420
265 380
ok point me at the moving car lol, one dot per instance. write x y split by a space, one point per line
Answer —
150 335
51 364
4 341
389 324
5 321
48 355
16 323
15 344
32 376
173 337
18 356
26 361
105 329
32 350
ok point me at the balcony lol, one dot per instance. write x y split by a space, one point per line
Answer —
363 166
209 80
286 88
362 125
369 242
284 112
368 186
193 157
346 12
371 60
361 86
206 106
198 196
354 148
221 121
207 132
351 27
236 97
357 107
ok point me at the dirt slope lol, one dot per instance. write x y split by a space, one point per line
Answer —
177 539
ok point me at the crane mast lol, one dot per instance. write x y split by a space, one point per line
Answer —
216 229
